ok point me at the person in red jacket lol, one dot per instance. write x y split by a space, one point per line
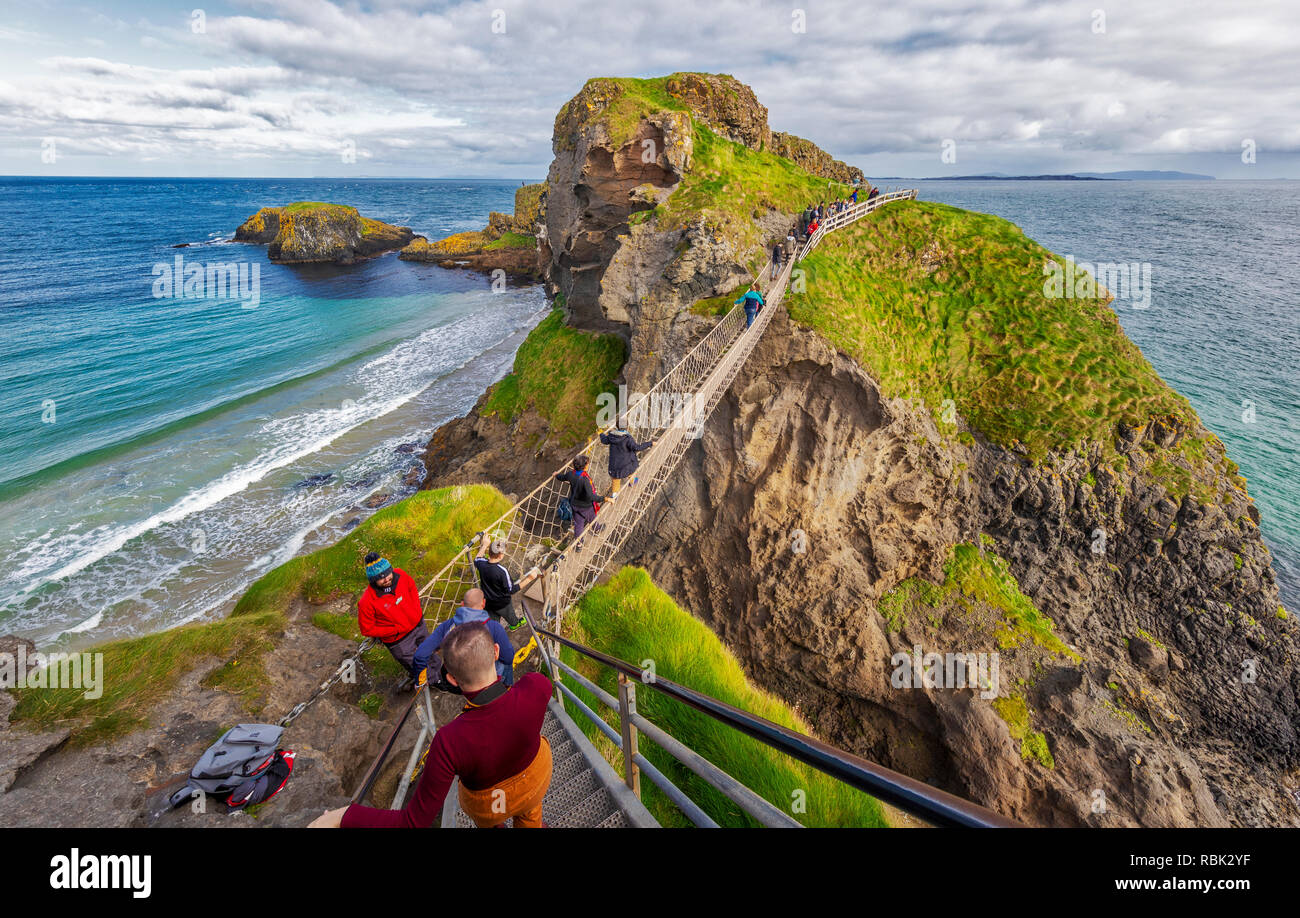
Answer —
495 746
389 609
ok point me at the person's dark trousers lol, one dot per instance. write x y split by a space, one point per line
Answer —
582 518
750 312
403 650
507 613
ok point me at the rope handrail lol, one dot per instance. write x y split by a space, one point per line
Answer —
671 413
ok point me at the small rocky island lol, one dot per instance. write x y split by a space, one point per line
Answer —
309 231
508 243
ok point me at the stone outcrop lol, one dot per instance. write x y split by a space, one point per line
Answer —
619 272
312 232
508 243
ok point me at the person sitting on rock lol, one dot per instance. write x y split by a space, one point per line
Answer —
753 302
389 609
582 496
427 663
495 746
497 585
623 459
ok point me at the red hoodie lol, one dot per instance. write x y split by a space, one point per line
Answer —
390 616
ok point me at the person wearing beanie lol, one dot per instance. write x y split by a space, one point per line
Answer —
389 609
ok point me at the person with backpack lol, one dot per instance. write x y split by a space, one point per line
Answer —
470 611
753 302
623 459
582 496
389 609
777 257
494 746
495 581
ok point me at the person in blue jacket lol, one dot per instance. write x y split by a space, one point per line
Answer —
473 609
753 302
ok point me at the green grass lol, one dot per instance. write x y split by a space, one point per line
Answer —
631 618
1033 746
938 303
729 185
626 100
511 240
718 305
140 672
370 704
419 535
559 372
973 578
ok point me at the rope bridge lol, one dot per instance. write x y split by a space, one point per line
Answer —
673 414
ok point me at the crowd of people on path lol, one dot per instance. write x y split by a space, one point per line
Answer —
785 250
815 214
495 747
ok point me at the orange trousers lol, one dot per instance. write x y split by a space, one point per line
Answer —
519 796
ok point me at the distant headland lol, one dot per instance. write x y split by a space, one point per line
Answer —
1135 175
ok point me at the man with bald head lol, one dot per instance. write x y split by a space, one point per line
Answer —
471 610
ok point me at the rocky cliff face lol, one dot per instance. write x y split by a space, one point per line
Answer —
620 271
309 232
1167 693
1154 715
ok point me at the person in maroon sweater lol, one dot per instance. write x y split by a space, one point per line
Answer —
495 746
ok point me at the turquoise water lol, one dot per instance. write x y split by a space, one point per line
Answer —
159 453
1223 323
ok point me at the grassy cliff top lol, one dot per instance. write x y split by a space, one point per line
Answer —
559 372
940 303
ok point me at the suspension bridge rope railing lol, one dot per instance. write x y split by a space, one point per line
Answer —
672 413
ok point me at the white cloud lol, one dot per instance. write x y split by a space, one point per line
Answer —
432 89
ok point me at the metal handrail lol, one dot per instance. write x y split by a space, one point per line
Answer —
373 772
929 803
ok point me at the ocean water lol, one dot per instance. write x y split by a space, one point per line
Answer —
1222 325
160 452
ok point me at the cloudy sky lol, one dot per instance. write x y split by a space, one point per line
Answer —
405 88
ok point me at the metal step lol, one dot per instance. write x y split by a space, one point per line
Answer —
585 790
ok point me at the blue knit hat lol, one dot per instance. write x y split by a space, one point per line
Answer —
377 569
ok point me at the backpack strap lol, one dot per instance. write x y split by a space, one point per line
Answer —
487 696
